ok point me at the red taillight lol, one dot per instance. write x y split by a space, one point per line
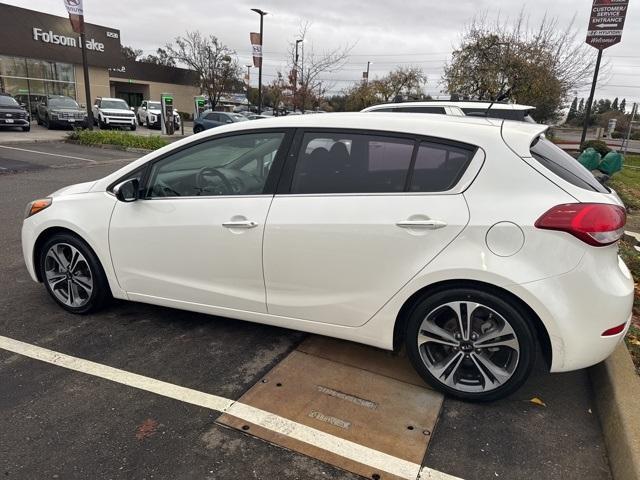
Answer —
597 224
614 330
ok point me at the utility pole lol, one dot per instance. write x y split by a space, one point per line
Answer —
367 77
262 13
634 110
304 90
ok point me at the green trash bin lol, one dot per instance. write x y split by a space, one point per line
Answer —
611 163
590 159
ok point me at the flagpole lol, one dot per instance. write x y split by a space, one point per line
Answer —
87 88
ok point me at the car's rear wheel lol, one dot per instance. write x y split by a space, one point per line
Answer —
72 274
470 344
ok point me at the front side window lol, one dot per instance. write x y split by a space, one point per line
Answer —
352 163
237 165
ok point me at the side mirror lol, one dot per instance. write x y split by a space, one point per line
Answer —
144 108
128 190
83 105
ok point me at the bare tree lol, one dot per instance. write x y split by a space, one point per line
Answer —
215 64
513 60
161 57
306 84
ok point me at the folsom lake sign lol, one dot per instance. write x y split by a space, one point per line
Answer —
65 41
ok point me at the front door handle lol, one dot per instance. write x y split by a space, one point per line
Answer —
240 224
425 224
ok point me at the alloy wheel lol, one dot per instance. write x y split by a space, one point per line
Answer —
468 346
68 275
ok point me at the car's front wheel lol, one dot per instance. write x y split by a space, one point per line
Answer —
72 274
198 129
470 343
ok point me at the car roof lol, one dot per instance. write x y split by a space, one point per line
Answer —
448 103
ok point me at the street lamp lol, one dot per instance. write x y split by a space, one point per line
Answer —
367 78
295 83
262 13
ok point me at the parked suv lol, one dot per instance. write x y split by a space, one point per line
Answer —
113 112
210 119
58 110
149 114
12 114
469 242
506 111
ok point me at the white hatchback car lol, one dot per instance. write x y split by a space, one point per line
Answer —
467 241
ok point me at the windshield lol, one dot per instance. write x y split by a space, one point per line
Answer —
117 104
153 105
6 101
63 103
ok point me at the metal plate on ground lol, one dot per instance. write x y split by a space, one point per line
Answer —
376 360
373 410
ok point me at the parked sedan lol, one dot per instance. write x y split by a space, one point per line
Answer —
60 111
210 119
470 242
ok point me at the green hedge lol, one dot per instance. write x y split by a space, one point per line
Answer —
598 145
115 137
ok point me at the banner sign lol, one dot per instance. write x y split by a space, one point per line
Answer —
256 45
606 23
76 14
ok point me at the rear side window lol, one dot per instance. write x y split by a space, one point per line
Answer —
439 110
564 165
505 114
438 167
352 163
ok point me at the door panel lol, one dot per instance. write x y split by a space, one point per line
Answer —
339 258
178 248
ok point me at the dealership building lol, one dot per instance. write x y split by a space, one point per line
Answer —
41 55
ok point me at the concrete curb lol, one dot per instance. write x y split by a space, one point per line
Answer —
113 147
617 395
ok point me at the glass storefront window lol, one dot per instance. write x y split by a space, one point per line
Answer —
29 80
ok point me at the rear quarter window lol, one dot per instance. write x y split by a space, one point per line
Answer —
564 165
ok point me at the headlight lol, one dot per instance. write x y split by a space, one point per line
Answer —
37 206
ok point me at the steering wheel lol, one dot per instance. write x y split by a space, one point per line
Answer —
202 182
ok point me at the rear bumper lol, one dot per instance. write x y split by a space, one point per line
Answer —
577 307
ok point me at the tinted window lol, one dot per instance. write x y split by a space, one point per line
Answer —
564 165
352 163
504 114
236 165
63 103
438 167
439 110
212 116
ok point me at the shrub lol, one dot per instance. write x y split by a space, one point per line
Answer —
598 145
114 137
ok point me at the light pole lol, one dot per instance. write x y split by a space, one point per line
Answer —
295 80
262 13
367 79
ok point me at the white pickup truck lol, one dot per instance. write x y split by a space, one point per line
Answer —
149 114
113 112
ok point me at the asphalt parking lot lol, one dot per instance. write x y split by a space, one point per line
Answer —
59 423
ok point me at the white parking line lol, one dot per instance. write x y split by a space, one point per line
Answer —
339 446
50 154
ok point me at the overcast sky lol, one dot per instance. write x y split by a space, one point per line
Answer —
387 33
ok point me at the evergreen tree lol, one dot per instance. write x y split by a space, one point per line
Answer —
573 110
623 105
614 105
581 108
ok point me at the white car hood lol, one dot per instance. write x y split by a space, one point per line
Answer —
74 189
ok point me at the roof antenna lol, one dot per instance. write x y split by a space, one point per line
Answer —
499 98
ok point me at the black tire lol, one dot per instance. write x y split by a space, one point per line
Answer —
133 127
27 128
102 125
507 311
100 294
198 129
38 121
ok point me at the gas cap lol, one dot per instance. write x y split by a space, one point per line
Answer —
505 239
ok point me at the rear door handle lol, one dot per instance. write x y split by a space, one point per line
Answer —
424 224
240 224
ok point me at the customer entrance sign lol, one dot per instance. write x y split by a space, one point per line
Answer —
606 23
